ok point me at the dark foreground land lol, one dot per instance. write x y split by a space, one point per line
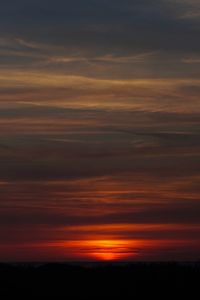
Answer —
99 281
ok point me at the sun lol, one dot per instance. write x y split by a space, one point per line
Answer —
108 250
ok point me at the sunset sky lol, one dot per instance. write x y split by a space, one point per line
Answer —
99 130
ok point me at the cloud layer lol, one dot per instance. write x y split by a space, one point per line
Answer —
99 130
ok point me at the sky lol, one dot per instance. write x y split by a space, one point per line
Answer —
99 130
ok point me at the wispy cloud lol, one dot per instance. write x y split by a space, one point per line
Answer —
191 15
137 58
192 60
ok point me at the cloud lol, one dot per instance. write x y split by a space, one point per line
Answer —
102 29
190 9
99 126
191 60
63 91
138 58
191 15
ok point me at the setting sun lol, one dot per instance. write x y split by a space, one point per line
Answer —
108 250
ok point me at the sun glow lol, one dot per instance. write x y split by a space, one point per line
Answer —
99 249
108 250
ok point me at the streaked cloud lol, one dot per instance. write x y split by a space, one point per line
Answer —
99 130
192 60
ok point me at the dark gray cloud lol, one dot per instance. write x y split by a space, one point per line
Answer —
95 28
186 212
